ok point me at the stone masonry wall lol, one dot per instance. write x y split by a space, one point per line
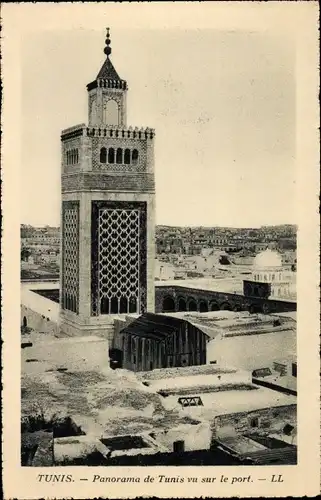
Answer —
271 419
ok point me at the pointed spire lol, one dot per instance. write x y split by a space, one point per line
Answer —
108 76
107 49
108 70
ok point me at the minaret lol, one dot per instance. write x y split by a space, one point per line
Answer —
107 252
107 95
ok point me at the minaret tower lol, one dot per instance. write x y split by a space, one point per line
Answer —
107 220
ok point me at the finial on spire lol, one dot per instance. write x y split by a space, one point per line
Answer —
107 49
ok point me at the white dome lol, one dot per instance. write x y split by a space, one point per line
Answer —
267 259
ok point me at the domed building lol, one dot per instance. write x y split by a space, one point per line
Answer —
267 268
268 258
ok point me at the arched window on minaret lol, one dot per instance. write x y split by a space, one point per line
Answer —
135 157
127 157
111 113
111 155
103 155
119 155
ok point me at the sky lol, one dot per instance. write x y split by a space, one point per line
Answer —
222 102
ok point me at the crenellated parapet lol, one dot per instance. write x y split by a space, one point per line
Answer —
121 132
107 83
71 132
113 131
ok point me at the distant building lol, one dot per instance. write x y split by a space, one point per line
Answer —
267 268
164 270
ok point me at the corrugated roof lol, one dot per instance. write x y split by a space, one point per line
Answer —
154 326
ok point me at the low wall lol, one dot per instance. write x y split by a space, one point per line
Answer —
38 322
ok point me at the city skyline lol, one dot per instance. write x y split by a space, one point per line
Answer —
224 120
186 226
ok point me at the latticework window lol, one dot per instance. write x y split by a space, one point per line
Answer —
119 258
70 256
118 261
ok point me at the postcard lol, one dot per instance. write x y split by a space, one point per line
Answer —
160 250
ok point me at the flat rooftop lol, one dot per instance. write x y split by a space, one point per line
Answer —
39 303
230 401
230 323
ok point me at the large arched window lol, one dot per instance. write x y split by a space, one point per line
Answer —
182 304
110 115
127 156
111 155
226 307
103 155
168 304
119 155
134 157
192 306
203 306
